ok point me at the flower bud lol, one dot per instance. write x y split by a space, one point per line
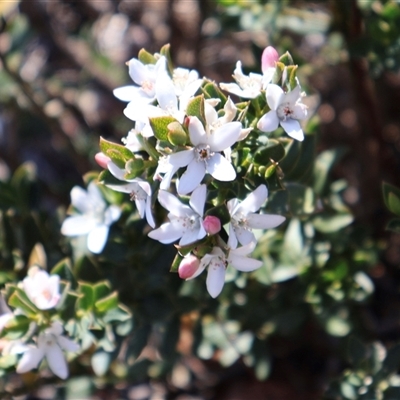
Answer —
102 160
188 266
212 224
268 59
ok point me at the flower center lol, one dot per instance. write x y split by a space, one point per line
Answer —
284 111
137 194
203 152
240 221
189 223
147 86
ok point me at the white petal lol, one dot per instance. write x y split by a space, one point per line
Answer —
56 328
192 236
264 221
30 360
293 129
144 185
232 240
268 122
79 199
67 344
95 194
192 177
165 93
97 239
116 171
167 233
244 264
293 96
244 236
56 360
112 214
149 214
141 207
215 279
225 136
299 111
172 204
126 93
138 71
181 158
274 95
210 113
77 225
234 88
220 168
254 200
198 199
196 132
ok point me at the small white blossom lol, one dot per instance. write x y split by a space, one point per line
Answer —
244 219
139 192
205 155
94 219
286 110
42 288
185 223
217 261
145 76
247 87
50 345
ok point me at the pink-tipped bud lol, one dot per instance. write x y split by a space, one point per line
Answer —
212 224
102 160
268 59
188 266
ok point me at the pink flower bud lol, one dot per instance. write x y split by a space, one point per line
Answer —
268 59
102 160
212 224
188 266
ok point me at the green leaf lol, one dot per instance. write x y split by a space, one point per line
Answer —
392 361
145 57
100 362
394 203
160 126
272 151
120 314
64 270
292 76
86 299
16 327
21 301
195 108
101 289
286 59
394 225
119 154
175 263
391 196
107 303
301 199
212 91
356 351
177 135
134 168
333 223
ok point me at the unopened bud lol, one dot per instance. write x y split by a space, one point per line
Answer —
102 160
268 59
212 224
188 266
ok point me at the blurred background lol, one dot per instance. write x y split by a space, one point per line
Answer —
60 61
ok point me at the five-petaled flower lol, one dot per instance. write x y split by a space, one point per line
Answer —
286 110
244 218
205 155
94 218
42 288
218 260
185 222
50 345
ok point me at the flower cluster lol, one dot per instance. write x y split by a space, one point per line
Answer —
207 159
40 294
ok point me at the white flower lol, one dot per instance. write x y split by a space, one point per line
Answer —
248 87
286 109
217 262
244 219
132 142
185 222
50 345
145 76
94 219
186 82
205 155
139 192
172 101
42 288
